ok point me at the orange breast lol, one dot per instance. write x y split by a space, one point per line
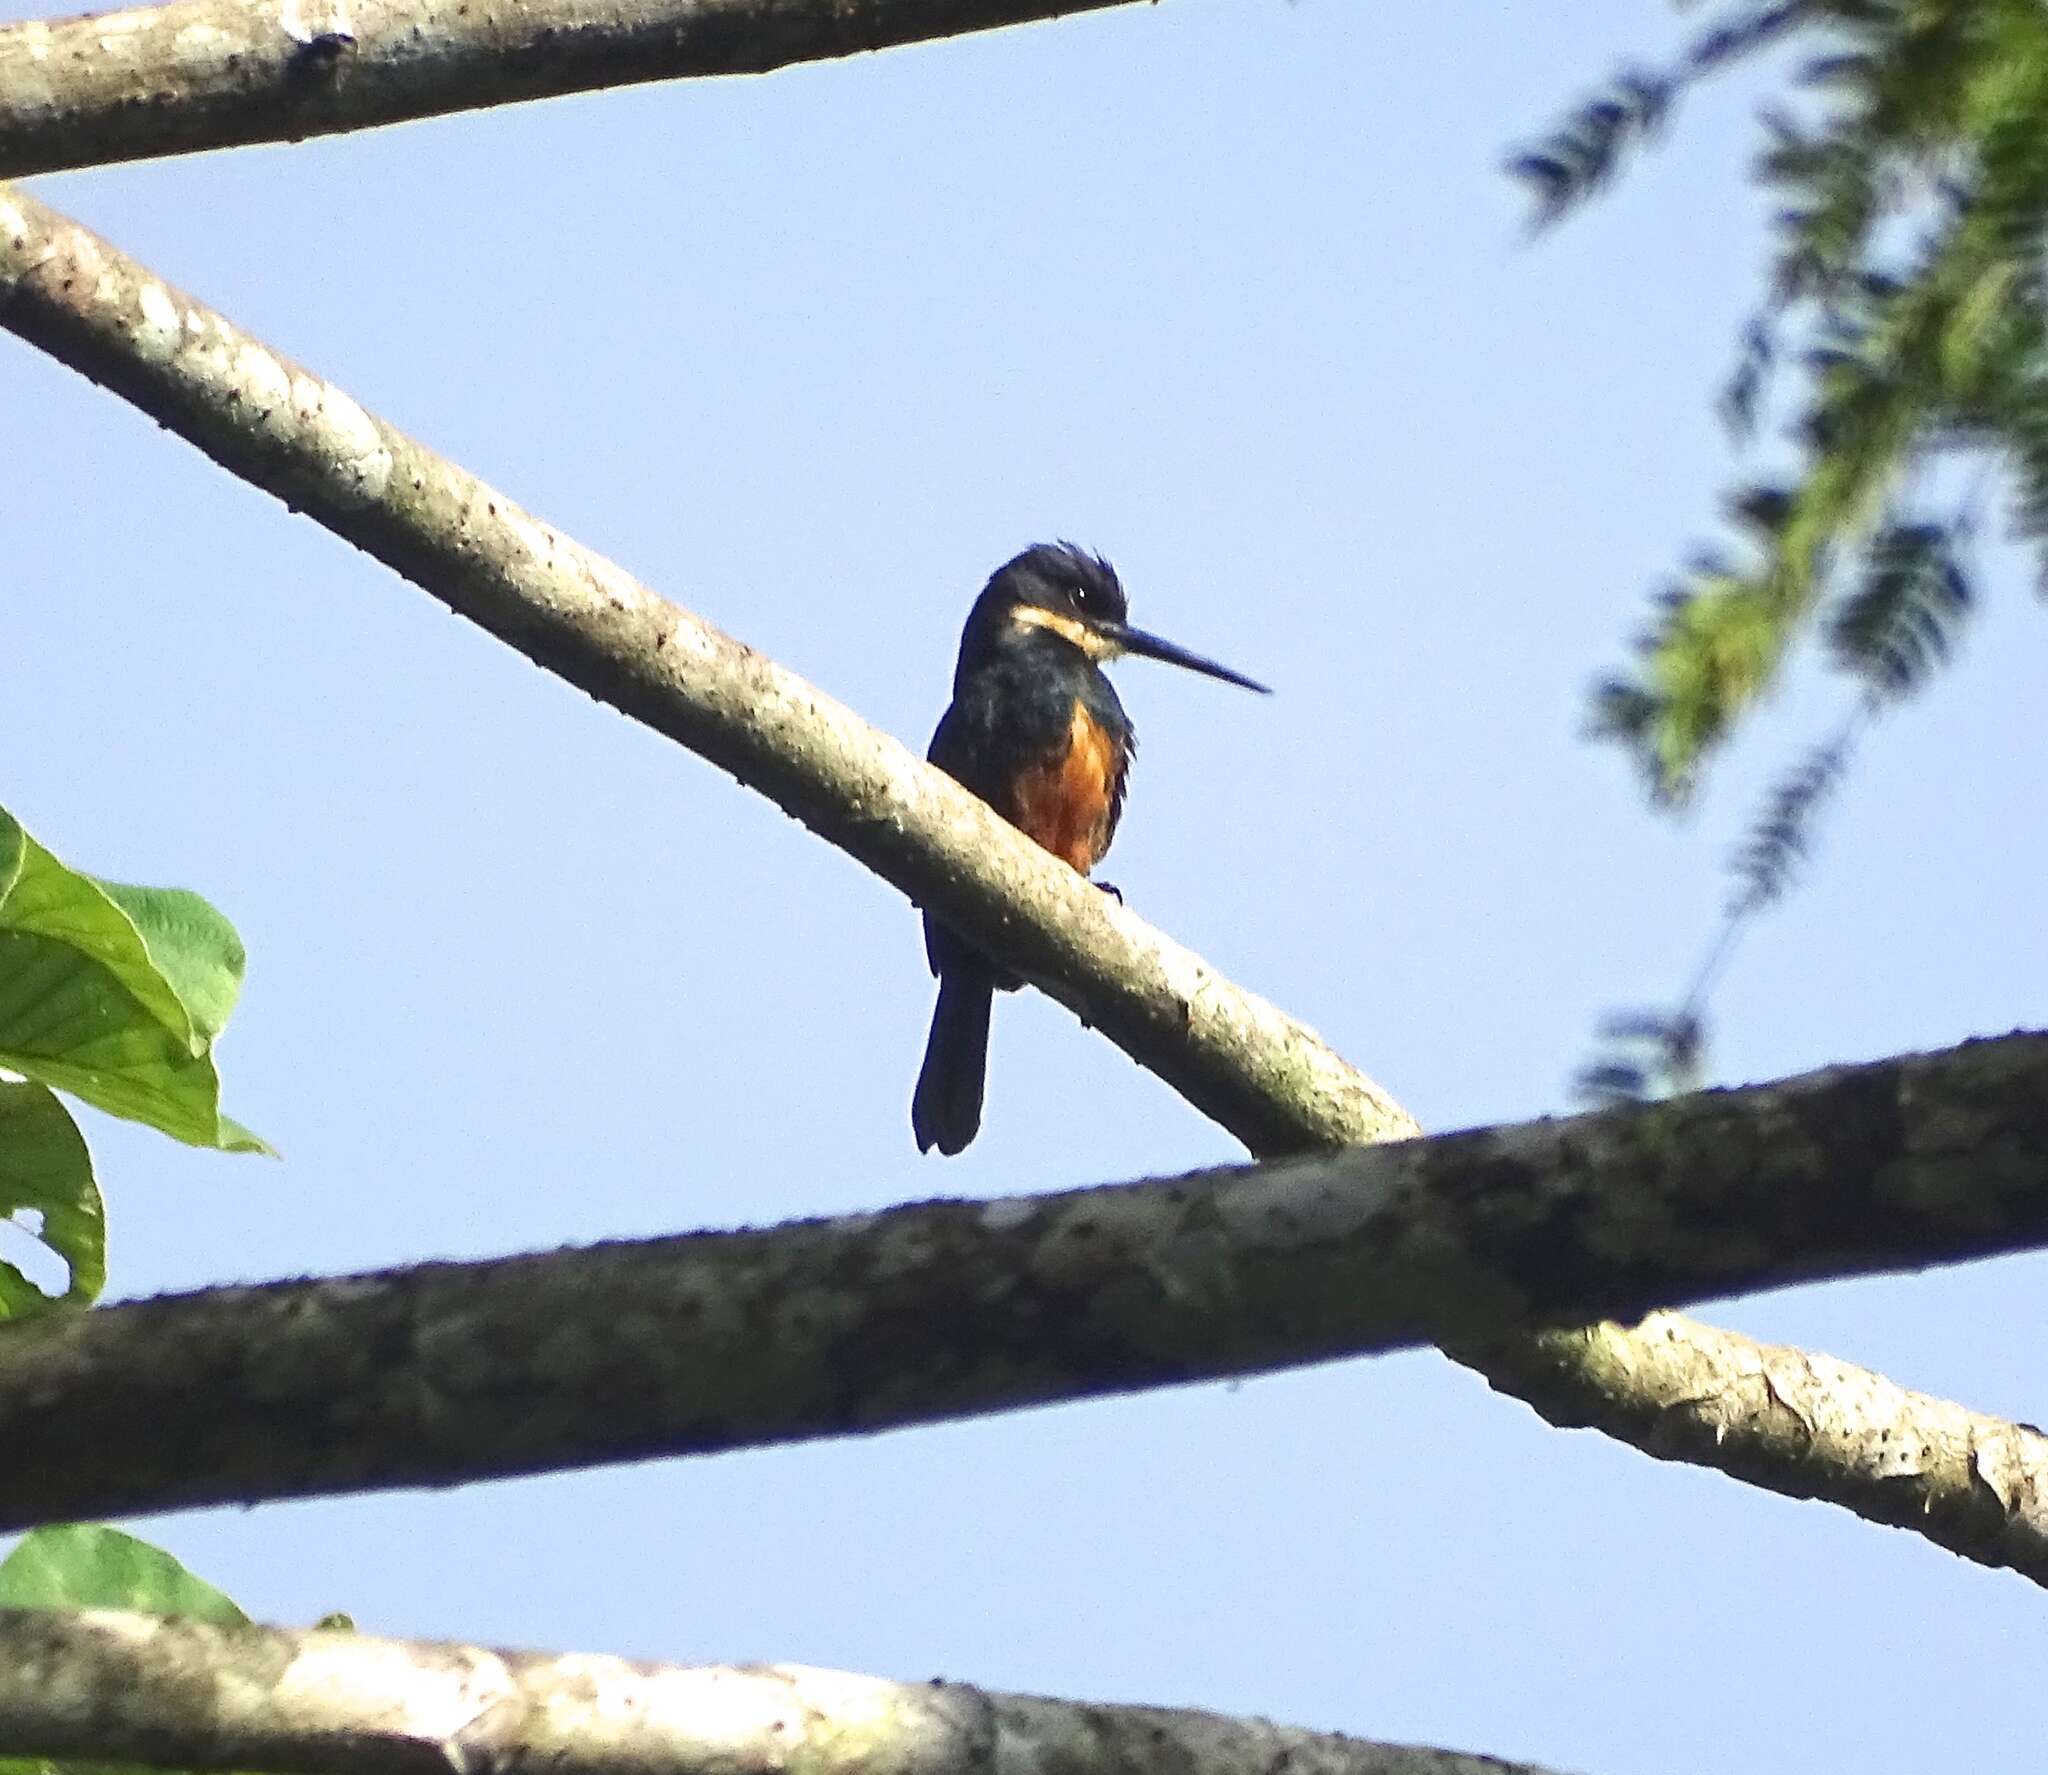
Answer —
1064 803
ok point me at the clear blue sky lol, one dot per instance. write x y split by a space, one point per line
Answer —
1235 293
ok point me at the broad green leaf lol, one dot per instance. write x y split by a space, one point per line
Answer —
45 1170
234 1138
55 905
116 993
84 1565
193 947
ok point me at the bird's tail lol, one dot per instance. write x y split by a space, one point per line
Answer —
946 1111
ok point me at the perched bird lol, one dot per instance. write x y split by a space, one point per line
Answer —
1036 731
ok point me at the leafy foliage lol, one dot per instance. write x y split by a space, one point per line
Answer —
1647 1054
1585 150
117 995
1780 839
87 1566
47 1192
1902 328
1900 622
1908 294
2027 442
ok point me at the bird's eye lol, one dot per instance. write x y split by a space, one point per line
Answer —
1083 598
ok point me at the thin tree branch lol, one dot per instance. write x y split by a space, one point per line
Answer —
1798 1423
456 1372
180 1694
1271 1082
198 74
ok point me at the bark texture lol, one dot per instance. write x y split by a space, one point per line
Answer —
1802 1424
1270 1081
184 1695
153 80
454 1372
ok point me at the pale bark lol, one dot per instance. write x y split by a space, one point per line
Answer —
445 1373
184 1695
1799 1423
1269 1081
196 74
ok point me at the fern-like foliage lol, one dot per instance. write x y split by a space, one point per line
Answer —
1907 294
1585 149
1744 390
2027 445
1651 1054
1900 621
1781 838
1904 321
1645 1054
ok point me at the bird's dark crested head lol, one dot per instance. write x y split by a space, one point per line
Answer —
1057 597
1062 577
1051 589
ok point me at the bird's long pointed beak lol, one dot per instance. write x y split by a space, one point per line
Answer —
1129 640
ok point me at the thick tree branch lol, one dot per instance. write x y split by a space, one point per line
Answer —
179 1694
197 74
1268 1080
453 1372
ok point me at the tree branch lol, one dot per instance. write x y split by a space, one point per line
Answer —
180 1694
1798 1423
1271 1082
455 1372
198 74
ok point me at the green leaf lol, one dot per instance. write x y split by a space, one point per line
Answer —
85 1565
1904 319
1584 151
234 1138
191 946
116 993
1649 1055
46 1171
1781 837
1902 619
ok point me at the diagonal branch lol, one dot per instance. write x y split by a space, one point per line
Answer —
184 1695
452 1372
1798 1423
198 74
1274 1084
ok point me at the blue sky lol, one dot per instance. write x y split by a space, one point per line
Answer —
1235 293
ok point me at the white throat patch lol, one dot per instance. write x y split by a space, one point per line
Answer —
1068 628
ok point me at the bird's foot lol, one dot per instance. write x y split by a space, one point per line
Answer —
1112 890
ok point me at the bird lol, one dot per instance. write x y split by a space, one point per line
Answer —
1036 730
